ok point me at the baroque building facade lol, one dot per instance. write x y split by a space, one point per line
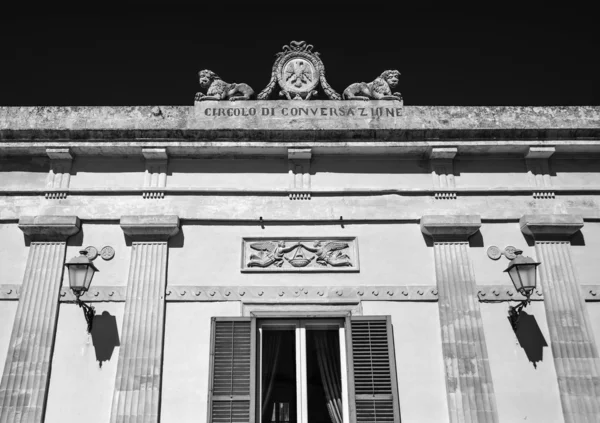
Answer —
231 286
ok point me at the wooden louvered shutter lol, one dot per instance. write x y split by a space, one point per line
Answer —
231 396
372 370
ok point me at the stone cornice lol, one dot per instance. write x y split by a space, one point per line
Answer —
93 130
150 228
49 228
550 226
450 227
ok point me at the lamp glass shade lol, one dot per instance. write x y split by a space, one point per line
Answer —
80 277
81 272
522 272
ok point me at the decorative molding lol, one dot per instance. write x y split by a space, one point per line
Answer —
59 176
538 171
450 228
95 294
550 226
49 228
287 294
155 176
302 254
441 160
154 228
174 293
501 293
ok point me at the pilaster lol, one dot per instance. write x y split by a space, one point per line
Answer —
572 340
24 383
139 370
468 378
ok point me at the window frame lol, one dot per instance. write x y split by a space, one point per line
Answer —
300 326
346 318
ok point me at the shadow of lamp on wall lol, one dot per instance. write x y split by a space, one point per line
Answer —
105 336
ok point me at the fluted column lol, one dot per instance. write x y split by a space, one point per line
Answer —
468 378
572 340
24 384
139 370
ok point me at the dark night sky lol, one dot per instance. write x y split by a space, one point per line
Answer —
149 53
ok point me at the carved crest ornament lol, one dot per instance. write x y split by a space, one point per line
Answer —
298 74
301 254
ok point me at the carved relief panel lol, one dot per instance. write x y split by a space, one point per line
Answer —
300 255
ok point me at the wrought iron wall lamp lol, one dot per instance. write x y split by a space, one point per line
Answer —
81 272
522 272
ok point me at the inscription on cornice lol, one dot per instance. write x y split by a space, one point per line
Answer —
300 254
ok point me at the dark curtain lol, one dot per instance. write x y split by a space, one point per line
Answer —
328 356
270 359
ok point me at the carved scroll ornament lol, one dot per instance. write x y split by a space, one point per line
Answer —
298 255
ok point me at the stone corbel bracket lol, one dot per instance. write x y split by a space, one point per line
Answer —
155 177
538 171
59 176
299 173
442 171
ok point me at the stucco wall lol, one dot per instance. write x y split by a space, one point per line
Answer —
488 271
8 310
24 172
523 392
80 389
14 254
186 359
579 172
110 273
479 172
419 362
240 173
107 172
389 255
369 172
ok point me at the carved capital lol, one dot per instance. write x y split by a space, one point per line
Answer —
450 228
49 228
155 153
59 153
150 228
550 226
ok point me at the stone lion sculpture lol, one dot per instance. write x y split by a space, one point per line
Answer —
217 89
379 89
